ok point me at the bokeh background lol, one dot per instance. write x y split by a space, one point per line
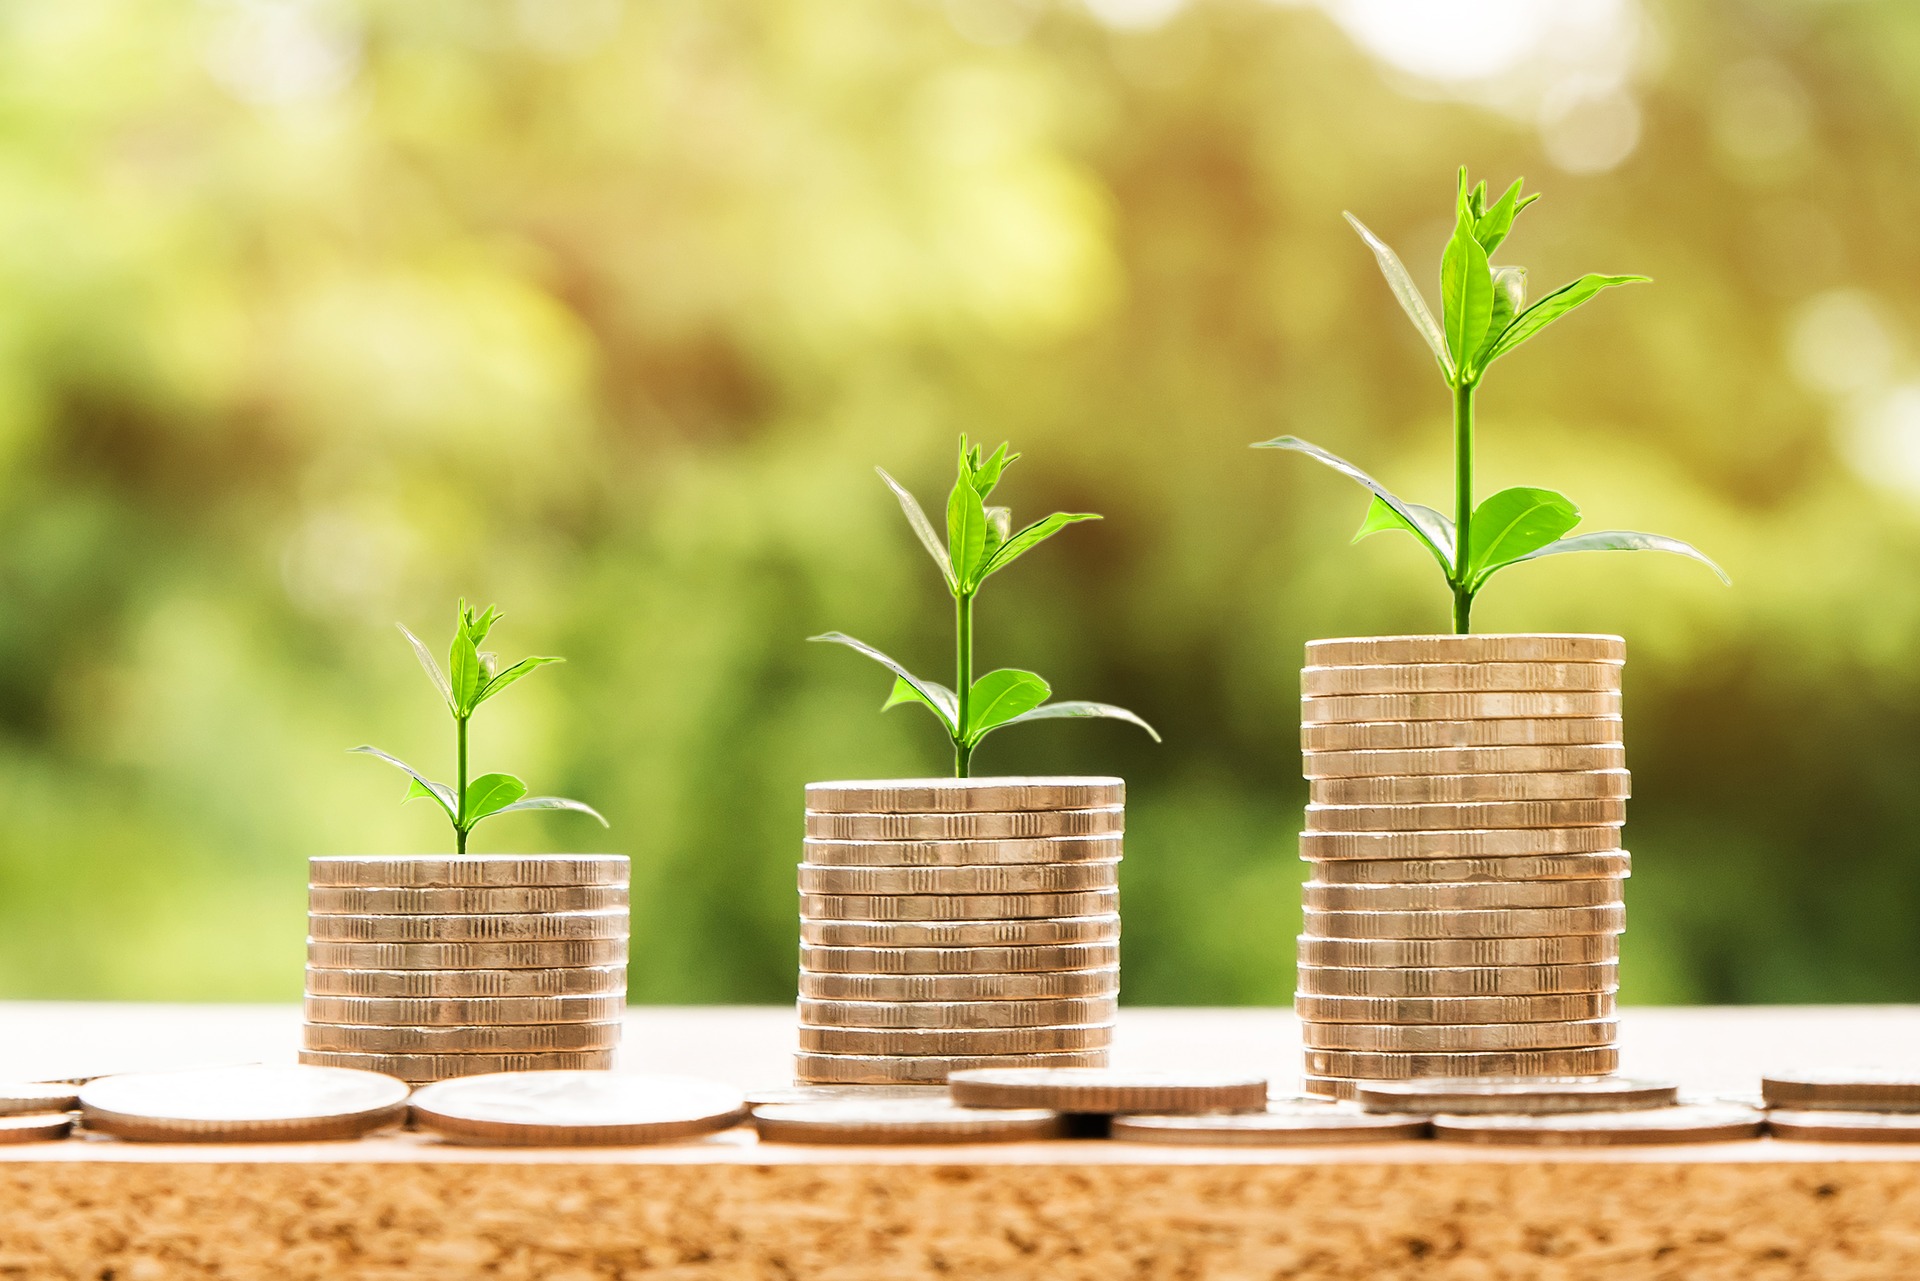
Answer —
315 316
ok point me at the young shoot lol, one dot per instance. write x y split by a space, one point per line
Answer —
980 543
1483 316
472 677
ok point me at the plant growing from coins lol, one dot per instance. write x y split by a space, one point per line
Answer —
981 541
472 677
1484 315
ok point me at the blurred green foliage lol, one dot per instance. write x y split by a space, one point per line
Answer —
314 317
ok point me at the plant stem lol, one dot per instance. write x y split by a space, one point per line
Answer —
1462 503
460 797
963 678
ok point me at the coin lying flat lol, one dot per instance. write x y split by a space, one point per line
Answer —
1461 871
1464 760
462 900
1108 1090
519 1039
1451 982
1516 1094
1460 1038
1101 821
1482 647
1845 1127
1013 850
575 1109
1102 980
515 955
1492 923
599 980
958 795
435 1067
1593 1061
877 1069
1305 1126
1444 678
243 1104
34 1098
1462 953
957 1014
1413 735
783 1094
471 869
992 878
956 907
1702 1123
1428 1010
1465 896
1852 1090
490 1011
1015 933
34 1127
958 960
955 1041
1465 816
1516 842
903 1121
1458 707
499 927
1428 789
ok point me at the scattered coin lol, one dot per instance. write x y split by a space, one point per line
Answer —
1444 678
1427 1010
955 1041
1496 981
1100 980
1100 821
1414 735
957 1014
1304 1126
435 1067
1527 647
1430 1038
1108 1090
964 853
34 1127
1458 871
1685 1124
1462 953
1428 789
1520 842
993 878
1853 1090
462 900
1465 815
1518 1094
956 907
1458 707
1464 760
575 1109
584 981
957 795
1845 1127
33 1098
1459 897
243 1104
492 1011
958 960
478 956
844 1094
1493 923
1592 1061
1015 933
500 927
903 1121
471 869
879 1069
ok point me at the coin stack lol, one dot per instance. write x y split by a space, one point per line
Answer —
433 967
1467 796
958 923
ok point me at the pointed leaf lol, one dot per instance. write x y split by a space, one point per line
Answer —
512 674
1466 293
921 526
966 532
1408 294
1076 709
1031 537
554 803
1381 517
466 673
426 658
926 689
999 696
937 698
1552 307
1493 223
422 785
1514 523
987 474
1433 528
1620 540
491 793
1509 296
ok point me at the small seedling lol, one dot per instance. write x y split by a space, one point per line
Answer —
1483 317
980 543
472 677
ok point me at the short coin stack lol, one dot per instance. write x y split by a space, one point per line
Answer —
1464 829
433 967
958 923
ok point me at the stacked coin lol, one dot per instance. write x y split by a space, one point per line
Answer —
1467 796
958 923
433 967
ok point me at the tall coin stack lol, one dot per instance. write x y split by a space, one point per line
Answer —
1467 797
958 923
433 967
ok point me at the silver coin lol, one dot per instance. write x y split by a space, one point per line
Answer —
1101 821
499 927
1464 760
420 1068
1461 896
1461 871
1465 816
245 1104
1454 982
462 900
993 878
1429 789
1861 1089
601 980
37 1098
470 869
1493 923
884 1069
783 1094
1479 647
1036 985
1503 843
1309 1126
516 1039
964 853
486 1011
1845 1127
956 907
1458 953
1412 735
515 955
959 795
1518 1094
958 1014
1429 1038
954 1041
957 960
1430 1010
1468 677
1017 933
889 1121
575 1108
1108 1090
1374 1065
34 1127
1695 1124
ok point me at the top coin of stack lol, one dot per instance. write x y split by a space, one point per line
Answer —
440 966
1467 795
957 923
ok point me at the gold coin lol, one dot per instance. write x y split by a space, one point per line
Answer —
1477 1095
478 956
514 1039
470 869
584 981
1002 878
1431 788
964 853
1593 1061
1466 816
328 900
1447 678
419 1068
530 926
1717 1123
1104 821
1507 843
1459 1038
1502 981
1406 1010
1476 871
37 1097
957 960
1300 1126
1421 761
1108 1090
953 1041
1457 707
488 1011
964 795
1032 986
884 1069
957 1014
1845 1127
243 1104
1848 1090
1460 897
575 1108
956 907
903 1121
1519 647
1493 923
1036 933
34 1127
1330 1087
1462 953
1406 735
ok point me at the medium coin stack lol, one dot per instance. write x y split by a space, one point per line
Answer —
433 967
958 923
1463 918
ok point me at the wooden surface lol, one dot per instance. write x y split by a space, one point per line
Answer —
727 1207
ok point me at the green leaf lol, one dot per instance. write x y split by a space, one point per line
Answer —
466 673
1492 224
421 785
511 675
921 526
1509 296
1515 522
937 698
1552 307
1031 537
1001 695
554 803
1466 293
491 793
966 532
1432 528
987 474
999 529
1075 709
1381 517
425 656
1407 293
929 691
1620 540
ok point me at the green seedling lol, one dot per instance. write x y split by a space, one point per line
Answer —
472 677
1483 316
980 543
